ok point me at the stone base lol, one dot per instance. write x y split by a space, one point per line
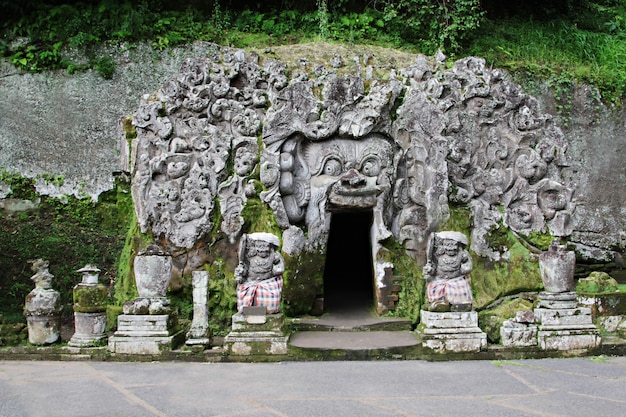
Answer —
202 341
257 335
142 345
452 332
569 339
43 330
90 328
143 335
565 327
515 334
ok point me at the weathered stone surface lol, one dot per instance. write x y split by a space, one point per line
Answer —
260 337
199 333
449 320
153 271
516 334
557 266
89 329
451 332
568 339
43 307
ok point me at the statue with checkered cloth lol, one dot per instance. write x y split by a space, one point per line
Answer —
447 273
259 272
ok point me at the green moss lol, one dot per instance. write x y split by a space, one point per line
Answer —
596 283
90 299
69 233
112 313
259 217
412 293
21 187
222 297
491 320
491 280
303 282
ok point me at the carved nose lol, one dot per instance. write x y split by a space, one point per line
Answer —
352 178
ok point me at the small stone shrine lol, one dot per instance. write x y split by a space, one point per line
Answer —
90 300
147 325
43 307
448 323
563 324
258 326
200 334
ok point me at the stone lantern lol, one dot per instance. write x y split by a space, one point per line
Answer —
90 298
43 307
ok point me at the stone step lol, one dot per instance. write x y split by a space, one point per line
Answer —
349 323
354 340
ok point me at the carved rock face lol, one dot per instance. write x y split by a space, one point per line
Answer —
402 148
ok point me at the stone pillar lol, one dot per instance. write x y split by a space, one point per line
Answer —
43 307
563 325
90 298
200 334
148 326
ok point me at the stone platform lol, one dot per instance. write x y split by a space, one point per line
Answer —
257 334
563 325
144 334
451 332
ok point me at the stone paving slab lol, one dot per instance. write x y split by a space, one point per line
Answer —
547 387
353 340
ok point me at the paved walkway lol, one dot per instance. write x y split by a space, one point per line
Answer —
546 387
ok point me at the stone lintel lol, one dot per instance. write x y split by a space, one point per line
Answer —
449 320
455 343
261 343
560 317
558 296
453 330
141 345
271 322
568 339
558 305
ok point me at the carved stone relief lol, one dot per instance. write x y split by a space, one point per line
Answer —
403 147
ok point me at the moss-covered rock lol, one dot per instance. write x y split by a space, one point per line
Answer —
303 282
492 280
491 320
596 283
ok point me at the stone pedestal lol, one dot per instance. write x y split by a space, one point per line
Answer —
255 333
90 300
144 334
89 329
452 332
43 330
563 325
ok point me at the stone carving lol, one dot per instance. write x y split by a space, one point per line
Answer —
153 271
43 307
259 272
90 301
447 273
557 266
403 148
200 334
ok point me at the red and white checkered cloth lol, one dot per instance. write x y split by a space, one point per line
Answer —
261 293
454 290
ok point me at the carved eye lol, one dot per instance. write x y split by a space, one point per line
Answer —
371 167
332 167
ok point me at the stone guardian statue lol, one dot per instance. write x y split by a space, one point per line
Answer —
447 273
259 273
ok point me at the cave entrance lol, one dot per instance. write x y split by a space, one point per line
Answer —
349 271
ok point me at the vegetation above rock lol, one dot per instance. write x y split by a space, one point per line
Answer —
563 40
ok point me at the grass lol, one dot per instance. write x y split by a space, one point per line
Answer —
588 45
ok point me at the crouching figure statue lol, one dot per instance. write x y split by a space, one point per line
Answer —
447 273
259 273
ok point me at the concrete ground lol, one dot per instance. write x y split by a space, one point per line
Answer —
592 386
